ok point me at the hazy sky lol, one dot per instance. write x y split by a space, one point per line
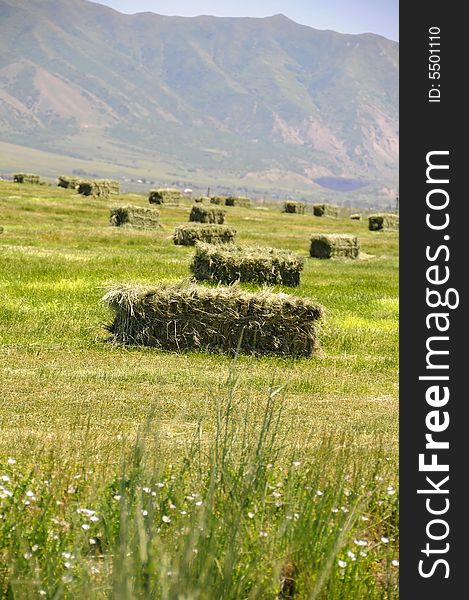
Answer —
346 16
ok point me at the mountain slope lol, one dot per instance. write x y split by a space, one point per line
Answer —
234 96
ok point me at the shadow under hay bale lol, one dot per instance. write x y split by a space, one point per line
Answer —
291 206
165 196
26 178
380 222
238 201
325 210
222 319
356 217
68 182
190 233
137 217
207 214
228 264
334 245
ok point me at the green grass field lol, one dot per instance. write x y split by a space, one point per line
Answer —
72 406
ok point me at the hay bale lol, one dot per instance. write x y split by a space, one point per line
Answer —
228 264
325 210
199 199
334 245
380 222
241 201
99 188
219 200
165 196
68 182
190 233
207 214
291 206
137 217
114 187
356 217
26 178
222 319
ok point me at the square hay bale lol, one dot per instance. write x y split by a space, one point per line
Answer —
220 200
165 196
291 206
26 178
334 245
241 201
356 217
221 319
114 187
68 182
190 233
228 264
99 188
135 216
207 214
325 210
380 222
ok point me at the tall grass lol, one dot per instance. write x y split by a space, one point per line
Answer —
239 515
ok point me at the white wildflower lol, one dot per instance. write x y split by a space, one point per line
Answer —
342 564
166 519
385 540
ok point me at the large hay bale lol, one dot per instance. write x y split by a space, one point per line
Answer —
222 319
325 210
190 233
356 217
165 196
207 214
26 178
68 181
99 188
138 217
241 201
228 264
292 206
334 245
380 222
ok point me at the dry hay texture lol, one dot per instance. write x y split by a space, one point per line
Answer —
291 206
207 214
356 217
26 178
165 196
383 221
334 245
238 201
68 181
135 216
229 263
219 200
190 233
221 319
325 210
100 188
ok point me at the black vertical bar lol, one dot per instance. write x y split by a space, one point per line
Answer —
432 118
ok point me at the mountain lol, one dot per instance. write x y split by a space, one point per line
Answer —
264 103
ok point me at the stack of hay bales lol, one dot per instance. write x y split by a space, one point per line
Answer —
229 263
291 206
68 182
134 216
165 196
189 234
100 188
356 217
207 214
325 210
26 178
238 201
220 200
334 245
222 319
380 222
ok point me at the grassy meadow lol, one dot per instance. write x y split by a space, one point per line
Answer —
137 473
